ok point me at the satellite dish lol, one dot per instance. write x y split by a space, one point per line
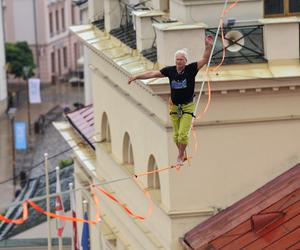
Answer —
231 37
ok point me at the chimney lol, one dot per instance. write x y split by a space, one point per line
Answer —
174 36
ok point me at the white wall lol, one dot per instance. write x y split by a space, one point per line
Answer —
209 11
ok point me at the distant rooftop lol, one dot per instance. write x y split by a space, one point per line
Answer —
79 2
83 121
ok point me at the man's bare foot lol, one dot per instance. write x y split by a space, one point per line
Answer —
180 161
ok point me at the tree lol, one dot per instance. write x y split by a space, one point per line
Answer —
19 55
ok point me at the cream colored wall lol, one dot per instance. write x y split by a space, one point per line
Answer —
95 9
209 11
235 159
276 44
169 41
112 17
125 116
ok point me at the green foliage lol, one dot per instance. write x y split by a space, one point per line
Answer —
65 163
19 55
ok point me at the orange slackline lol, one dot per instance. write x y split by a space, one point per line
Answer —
18 221
122 205
161 169
67 218
109 195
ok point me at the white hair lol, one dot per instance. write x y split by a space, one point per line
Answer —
183 52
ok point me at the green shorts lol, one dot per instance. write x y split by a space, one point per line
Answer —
181 125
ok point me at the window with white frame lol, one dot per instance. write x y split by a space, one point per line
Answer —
274 8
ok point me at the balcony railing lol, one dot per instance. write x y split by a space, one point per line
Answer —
243 45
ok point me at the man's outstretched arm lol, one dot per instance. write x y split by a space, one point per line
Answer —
208 46
146 75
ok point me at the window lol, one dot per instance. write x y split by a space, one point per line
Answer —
73 14
75 51
128 154
59 61
57 21
63 25
105 132
65 57
294 6
51 23
52 62
281 7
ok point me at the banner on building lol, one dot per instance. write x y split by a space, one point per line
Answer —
20 135
34 90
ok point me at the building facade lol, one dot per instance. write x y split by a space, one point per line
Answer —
55 50
3 86
248 136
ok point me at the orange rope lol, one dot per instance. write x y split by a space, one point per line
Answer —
18 221
213 69
160 169
122 205
61 217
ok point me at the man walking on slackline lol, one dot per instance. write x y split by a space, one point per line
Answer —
182 84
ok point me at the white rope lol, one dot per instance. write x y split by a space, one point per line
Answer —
207 68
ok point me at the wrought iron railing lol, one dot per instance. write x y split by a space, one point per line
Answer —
243 45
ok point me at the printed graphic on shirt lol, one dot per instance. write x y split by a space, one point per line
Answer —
179 84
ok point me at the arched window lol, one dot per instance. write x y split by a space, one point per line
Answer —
128 159
153 179
105 132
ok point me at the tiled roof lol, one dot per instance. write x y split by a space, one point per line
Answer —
126 34
83 121
269 218
99 24
150 54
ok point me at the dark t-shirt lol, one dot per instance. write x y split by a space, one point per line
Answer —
182 84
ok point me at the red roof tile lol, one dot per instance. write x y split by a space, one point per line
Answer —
83 121
269 218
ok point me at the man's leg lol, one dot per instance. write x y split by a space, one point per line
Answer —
184 128
175 122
